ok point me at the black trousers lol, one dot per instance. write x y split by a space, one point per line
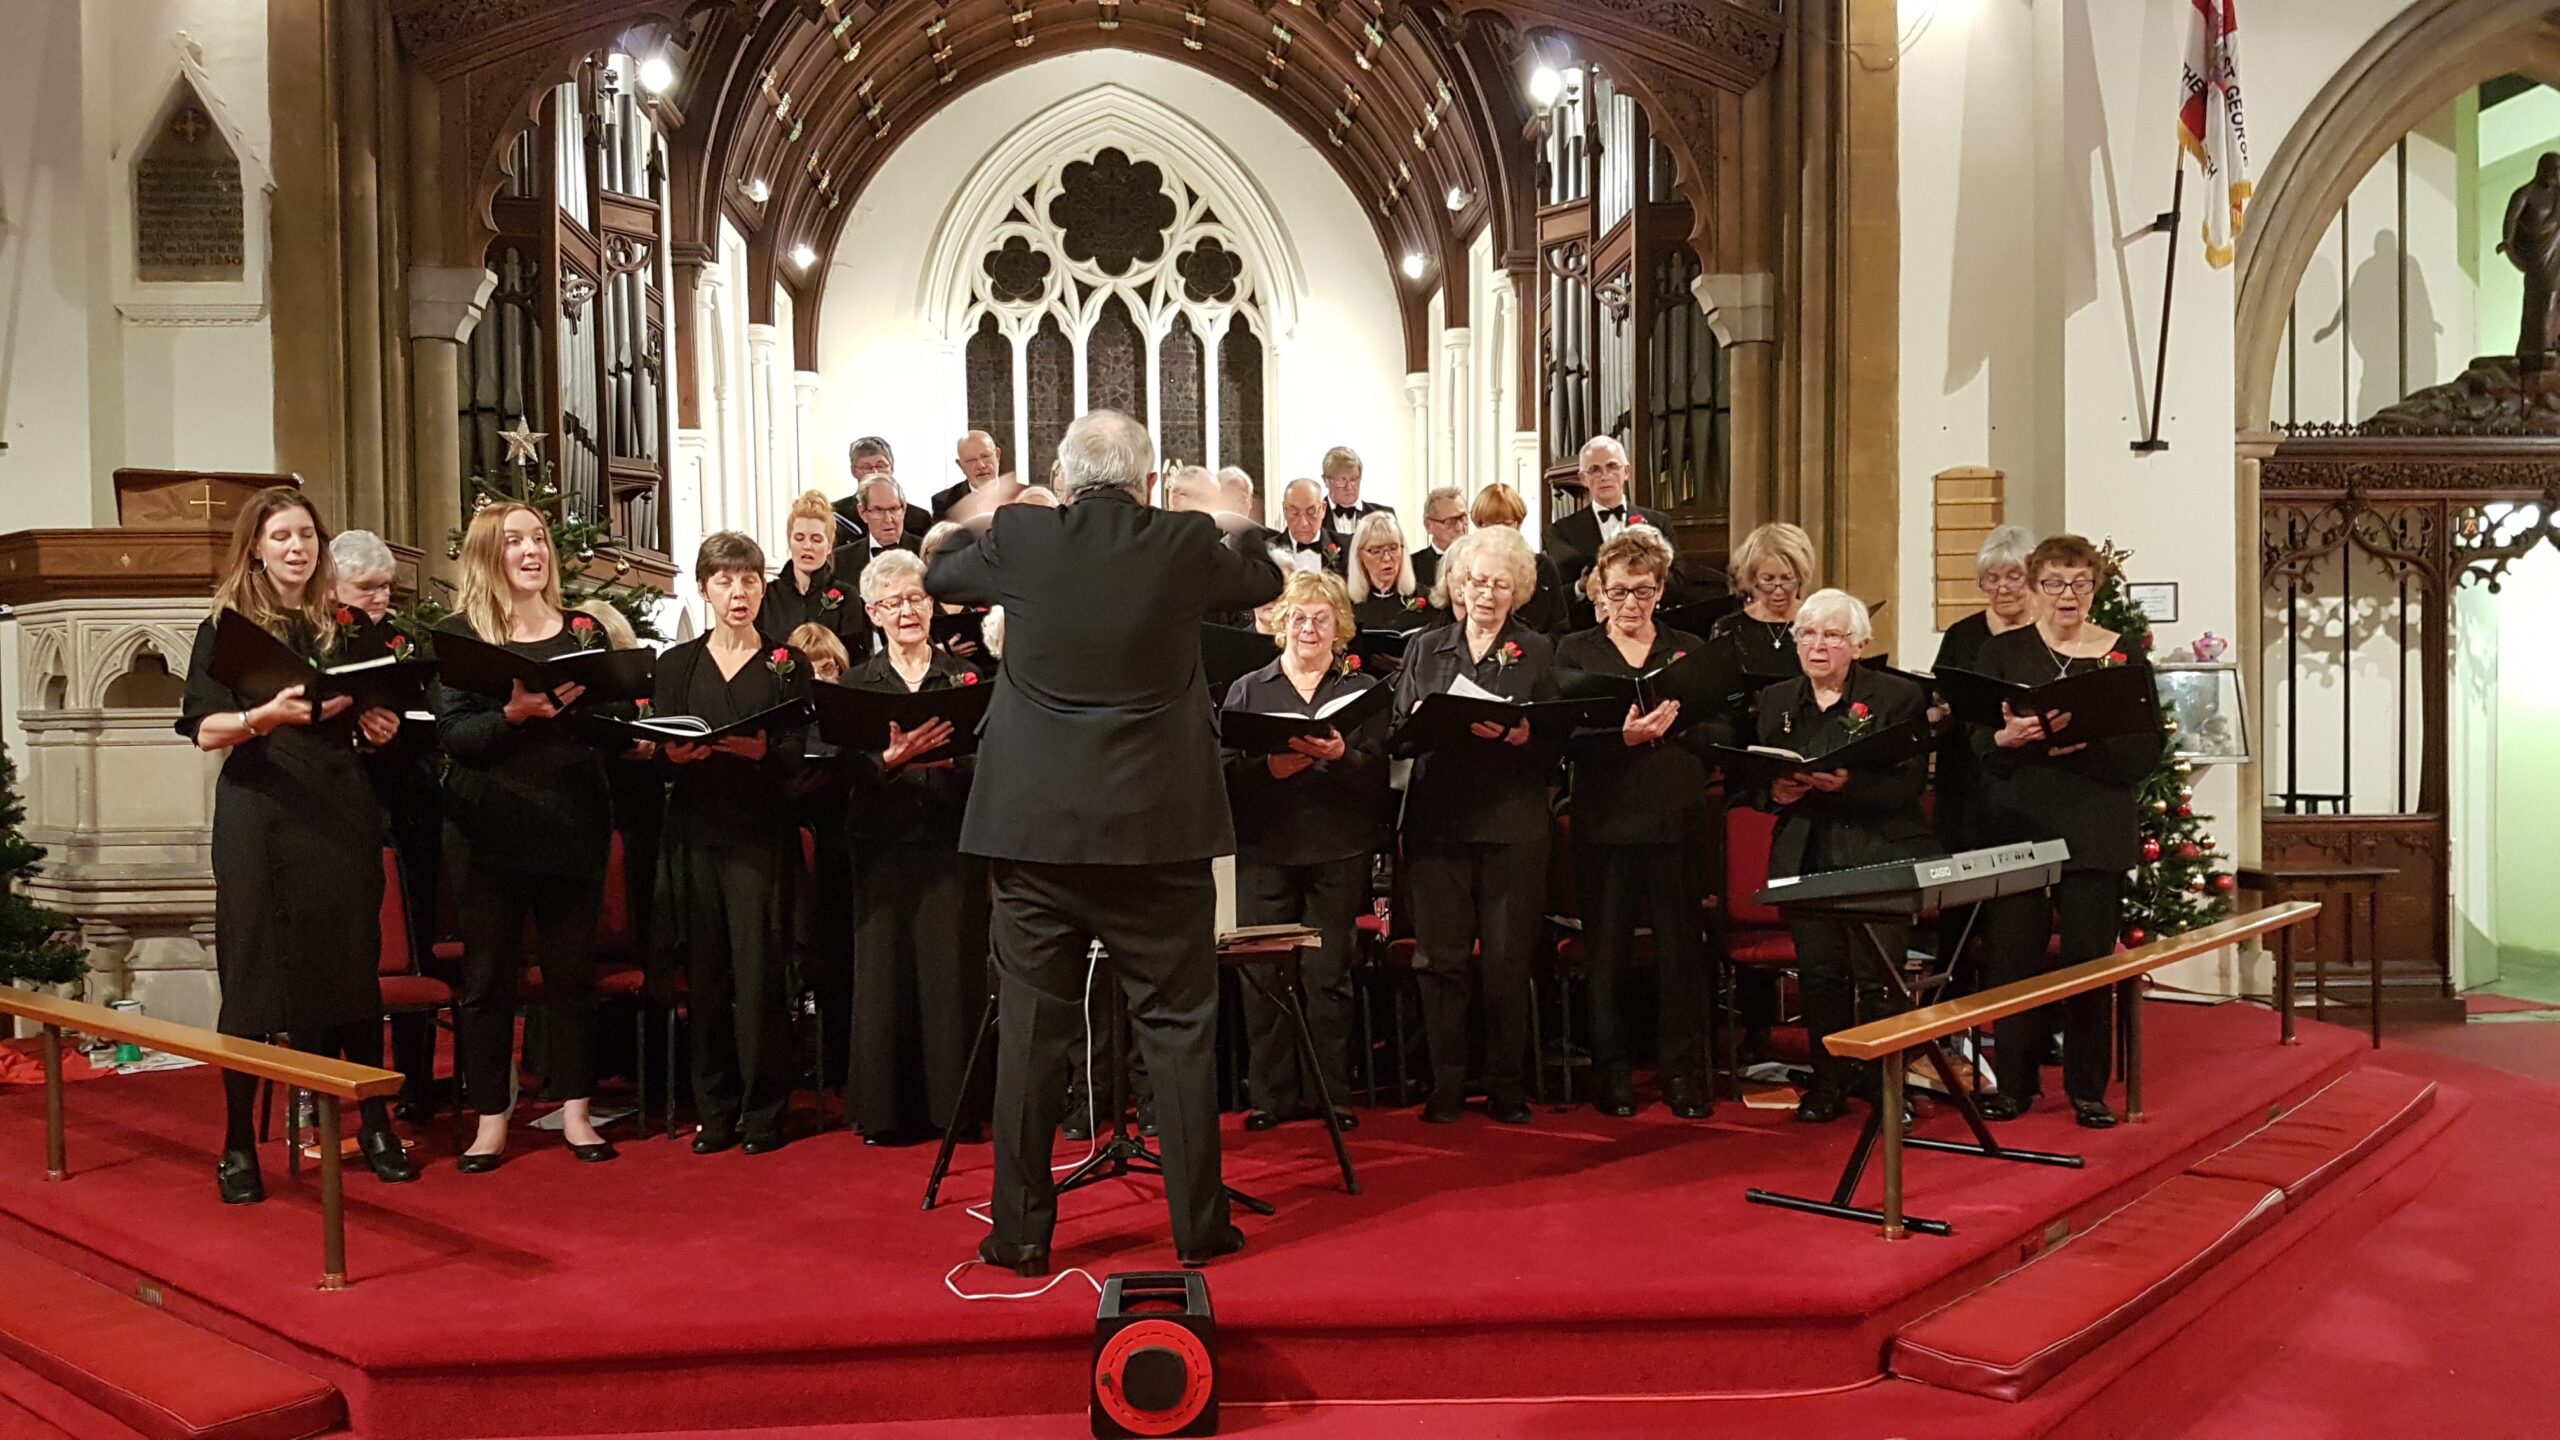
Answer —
417 837
1158 927
1476 912
919 982
1624 887
494 905
1329 897
358 1043
2089 905
1836 974
735 913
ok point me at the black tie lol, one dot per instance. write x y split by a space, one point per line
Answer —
1346 512
1618 513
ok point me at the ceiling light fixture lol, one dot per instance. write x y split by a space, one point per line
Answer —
1546 87
1414 265
757 190
657 75
1458 197
802 257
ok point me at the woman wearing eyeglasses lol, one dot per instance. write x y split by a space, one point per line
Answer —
1839 819
1476 828
1773 569
1639 804
2000 572
2039 784
1384 592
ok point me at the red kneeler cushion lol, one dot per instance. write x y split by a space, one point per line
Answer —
2008 1338
156 1374
2325 1134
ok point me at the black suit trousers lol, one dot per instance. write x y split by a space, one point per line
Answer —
494 904
1328 897
1837 975
1158 929
738 985
1476 912
2089 905
919 982
1624 887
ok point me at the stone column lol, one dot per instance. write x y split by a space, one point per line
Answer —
445 305
764 344
1457 342
804 429
1417 394
1742 310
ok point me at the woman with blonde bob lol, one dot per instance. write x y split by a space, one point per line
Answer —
297 835
1773 569
529 829
1384 594
1307 821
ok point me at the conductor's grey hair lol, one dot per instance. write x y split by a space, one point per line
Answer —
1105 449
358 553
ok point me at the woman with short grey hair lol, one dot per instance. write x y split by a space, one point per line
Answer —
2000 571
361 554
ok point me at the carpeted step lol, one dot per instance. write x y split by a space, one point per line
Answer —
153 1372
2011 1336
2326 1134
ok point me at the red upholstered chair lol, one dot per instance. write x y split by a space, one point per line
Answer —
1747 932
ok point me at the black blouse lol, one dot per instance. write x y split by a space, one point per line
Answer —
916 806
831 602
723 800
1395 612
1490 793
532 797
1332 810
1766 651
2086 798
1874 818
1959 772
1647 795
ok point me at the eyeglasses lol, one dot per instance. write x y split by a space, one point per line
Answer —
2056 585
1382 552
1490 584
910 600
882 511
1311 619
1774 584
1825 637
1621 594
2005 580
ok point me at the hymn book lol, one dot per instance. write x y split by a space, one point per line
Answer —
1705 681
859 720
610 676
252 661
1882 750
2103 704
693 730
1257 733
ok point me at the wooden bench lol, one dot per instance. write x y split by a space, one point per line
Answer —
335 1083
1890 1039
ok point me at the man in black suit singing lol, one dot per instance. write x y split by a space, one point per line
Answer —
981 461
1573 543
882 508
1099 801
1344 508
872 459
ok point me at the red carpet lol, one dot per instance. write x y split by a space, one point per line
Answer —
2482 1003
669 1291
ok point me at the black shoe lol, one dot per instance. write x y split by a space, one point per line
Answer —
1028 1261
707 1141
1686 1099
470 1164
1147 1118
764 1144
2094 1114
2005 1106
1510 1112
1437 1111
1258 1121
898 1139
1345 1120
595 1154
1821 1107
1226 1242
1617 1095
382 1153
238 1178
1079 1123
413 1112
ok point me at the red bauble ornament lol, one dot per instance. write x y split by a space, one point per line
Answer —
2185 810
2188 852
2135 935
2225 884
2150 850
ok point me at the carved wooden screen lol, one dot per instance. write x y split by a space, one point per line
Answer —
1112 283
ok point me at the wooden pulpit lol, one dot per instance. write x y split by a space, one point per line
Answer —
171 527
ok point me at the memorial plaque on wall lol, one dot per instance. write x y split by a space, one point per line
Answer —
188 216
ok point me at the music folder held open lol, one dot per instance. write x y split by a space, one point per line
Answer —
1447 720
1256 733
1706 681
2102 704
852 719
610 676
1759 764
253 662
691 730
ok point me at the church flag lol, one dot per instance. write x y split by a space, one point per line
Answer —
2209 124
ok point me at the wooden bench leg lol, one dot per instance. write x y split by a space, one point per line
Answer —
333 1217
2284 984
56 1165
2129 1000
2373 961
1891 1110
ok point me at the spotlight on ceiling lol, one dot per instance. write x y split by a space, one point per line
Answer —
802 257
657 76
758 191
1546 87
1458 197
1414 265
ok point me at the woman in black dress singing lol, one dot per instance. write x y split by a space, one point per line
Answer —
1476 828
1384 593
1307 821
2000 573
808 589
1639 812
731 855
2039 784
1838 819
529 826
920 938
1773 569
297 837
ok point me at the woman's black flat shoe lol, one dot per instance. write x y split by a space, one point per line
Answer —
2094 1114
1258 1121
1344 1119
2005 1106
595 1154
237 1176
470 1164
712 1142
385 1157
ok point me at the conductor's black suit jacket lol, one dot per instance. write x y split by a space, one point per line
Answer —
1101 746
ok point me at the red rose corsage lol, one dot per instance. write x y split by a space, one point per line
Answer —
1634 519
779 662
582 628
1856 721
401 646
832 600
2115 658
346 616
1350 665
1508 655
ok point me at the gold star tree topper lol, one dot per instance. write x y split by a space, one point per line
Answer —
524 443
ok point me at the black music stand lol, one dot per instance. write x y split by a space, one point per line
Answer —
1247 957
1869 915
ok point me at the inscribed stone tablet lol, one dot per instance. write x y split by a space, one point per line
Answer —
188 218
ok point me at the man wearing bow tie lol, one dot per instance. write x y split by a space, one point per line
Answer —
1574 542
882 507
1342 471
1308 543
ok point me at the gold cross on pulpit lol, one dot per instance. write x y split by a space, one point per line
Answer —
207 504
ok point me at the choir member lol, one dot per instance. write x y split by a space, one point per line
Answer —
1306 824
529 826
404 780
809 590
2000 572
1344 509
980 461
1774 568
1385 593
825 793
881 505
920 949
1307 539
871 458
2039 784
1639 806
1476 827
732 857
1541 604
297 836
1839 819
1573 543
1444 519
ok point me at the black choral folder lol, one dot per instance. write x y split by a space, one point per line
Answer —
692 730
611 676
2103 704
1882 750
1228 654
1706 680
1257 733
959 627
851 719
254 662
1382 651
1443 720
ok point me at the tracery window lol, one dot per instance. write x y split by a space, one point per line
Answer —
1111 282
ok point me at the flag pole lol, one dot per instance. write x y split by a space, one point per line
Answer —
2167 224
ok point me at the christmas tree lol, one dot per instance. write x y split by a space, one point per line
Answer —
2184 879
576 540
35 943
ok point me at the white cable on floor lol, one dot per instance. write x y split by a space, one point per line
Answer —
951 1282
1093 1146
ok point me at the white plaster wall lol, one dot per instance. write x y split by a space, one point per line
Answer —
45 270
1340 376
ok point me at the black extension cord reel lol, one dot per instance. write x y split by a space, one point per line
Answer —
1155 1356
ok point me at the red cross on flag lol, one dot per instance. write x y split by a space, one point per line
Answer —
2209 123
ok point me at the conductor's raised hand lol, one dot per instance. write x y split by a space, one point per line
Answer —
1327 749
